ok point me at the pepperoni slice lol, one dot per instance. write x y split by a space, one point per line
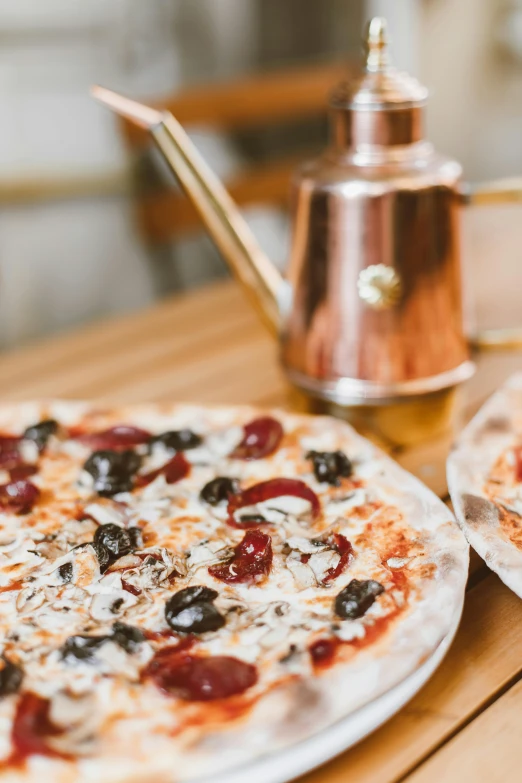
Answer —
22 471
261 437
10 456
122 436
267 490
175 470
251 562
12 460
18 496
32 726
198 678
130 588
8 442
323 651
345 550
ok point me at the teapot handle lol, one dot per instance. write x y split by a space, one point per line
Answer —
500 191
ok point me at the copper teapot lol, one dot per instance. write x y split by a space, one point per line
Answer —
370 316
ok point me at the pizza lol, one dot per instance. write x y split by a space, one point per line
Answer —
485 482
184 590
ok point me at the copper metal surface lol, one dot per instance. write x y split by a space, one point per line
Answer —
364 128
379 197
402 422
500 191
349 217
373 312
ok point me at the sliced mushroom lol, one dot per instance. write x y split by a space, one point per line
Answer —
283 510
29 599
207 553
305 546
149 575
322 562
11 544
86 567
303 575
172 561
124 563
18 560
110 600
107 606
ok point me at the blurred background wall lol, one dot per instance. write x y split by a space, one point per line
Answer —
71 249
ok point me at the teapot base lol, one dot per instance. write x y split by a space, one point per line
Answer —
358 392
400 423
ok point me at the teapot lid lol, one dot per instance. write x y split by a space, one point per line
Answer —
380 86
393 98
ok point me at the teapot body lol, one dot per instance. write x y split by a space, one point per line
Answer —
375 271
371 320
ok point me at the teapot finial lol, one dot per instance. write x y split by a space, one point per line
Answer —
377 57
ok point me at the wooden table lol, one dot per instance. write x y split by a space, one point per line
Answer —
208 347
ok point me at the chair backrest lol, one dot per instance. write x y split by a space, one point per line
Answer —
255 101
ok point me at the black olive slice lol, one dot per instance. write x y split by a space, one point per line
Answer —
41 432
82 648
197 618
192 611
136 537
330 466
11 677
219 489
113 471
355 599
177 440
65 572
116 540
127 636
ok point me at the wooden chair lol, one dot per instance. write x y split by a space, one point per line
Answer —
164 215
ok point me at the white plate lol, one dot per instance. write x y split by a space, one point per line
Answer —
305 756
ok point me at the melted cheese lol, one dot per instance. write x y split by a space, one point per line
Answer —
270 624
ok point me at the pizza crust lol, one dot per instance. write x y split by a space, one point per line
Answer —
489 435
297 710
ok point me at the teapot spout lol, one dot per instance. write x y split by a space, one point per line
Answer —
220 214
